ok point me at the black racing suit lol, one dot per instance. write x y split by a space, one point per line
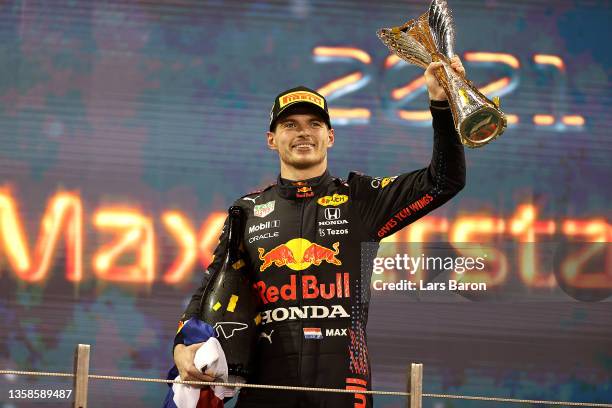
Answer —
304 240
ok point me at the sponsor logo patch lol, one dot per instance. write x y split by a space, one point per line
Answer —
330 231
332 214
264 225
266 235
281 314
311 288
300 96
298 254
332 218
261 210
382 182
304 192
334 200
332 222
267 336
250 199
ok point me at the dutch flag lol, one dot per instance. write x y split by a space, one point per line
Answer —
184 396
312 333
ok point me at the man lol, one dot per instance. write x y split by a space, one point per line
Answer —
303 236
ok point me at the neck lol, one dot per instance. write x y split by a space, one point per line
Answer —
291 173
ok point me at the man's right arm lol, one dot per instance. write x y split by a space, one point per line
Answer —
193 308
184 355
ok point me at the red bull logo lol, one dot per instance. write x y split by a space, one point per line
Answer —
304 192
311 288
299 254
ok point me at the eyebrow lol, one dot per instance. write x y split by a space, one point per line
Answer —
287 120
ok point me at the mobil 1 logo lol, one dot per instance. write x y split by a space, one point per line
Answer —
259 232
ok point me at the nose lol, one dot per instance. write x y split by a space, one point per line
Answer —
302 130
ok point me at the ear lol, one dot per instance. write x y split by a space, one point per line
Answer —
271 141
331 138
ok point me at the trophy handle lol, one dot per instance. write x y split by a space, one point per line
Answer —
478 120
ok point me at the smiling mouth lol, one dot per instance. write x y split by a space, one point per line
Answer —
303 146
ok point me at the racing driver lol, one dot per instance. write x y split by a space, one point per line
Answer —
303 235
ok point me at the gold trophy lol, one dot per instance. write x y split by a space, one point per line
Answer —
431 37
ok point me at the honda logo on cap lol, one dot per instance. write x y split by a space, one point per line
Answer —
332 213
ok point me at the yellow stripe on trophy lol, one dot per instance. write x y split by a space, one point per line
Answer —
216 306
464 96
232 303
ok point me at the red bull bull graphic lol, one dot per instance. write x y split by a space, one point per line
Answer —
280 256
316 254
299 254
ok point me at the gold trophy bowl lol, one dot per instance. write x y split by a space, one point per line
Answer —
429 38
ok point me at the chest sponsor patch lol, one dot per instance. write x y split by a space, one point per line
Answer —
323 232
280 314
263 236
264 225
304 192
298 254
334 200
261 210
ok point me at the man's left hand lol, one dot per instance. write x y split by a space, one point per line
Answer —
435 90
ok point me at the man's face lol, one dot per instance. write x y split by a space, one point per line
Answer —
301 138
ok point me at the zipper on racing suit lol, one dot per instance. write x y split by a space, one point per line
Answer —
302 205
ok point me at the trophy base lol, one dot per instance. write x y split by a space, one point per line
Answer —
482 126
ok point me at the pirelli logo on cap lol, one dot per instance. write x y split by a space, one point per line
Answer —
301 96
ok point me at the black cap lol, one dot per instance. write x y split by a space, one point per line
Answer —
298 96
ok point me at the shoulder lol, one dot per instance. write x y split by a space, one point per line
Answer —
252 196
356 178
356 175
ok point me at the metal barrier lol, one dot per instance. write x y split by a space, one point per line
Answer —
414 391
